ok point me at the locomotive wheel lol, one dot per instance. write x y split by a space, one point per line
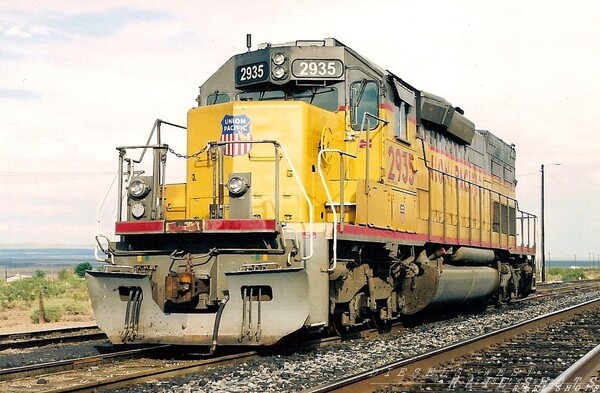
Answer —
380 324
335 327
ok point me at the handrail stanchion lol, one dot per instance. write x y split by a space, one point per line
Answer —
330 200
120 186
277 182
342 175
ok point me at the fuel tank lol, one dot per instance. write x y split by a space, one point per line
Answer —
459 284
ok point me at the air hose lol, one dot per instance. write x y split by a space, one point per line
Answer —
217 323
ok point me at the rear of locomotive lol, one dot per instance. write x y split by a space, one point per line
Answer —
233 256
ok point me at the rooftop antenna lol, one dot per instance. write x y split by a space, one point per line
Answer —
248 41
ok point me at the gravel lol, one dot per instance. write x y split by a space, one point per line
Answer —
23 357
314 367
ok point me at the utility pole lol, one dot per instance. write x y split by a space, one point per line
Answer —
542 231
542 235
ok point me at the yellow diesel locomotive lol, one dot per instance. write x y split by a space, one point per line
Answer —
321 190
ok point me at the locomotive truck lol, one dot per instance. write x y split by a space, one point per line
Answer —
320 190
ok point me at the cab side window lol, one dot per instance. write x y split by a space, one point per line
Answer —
401 121
364 98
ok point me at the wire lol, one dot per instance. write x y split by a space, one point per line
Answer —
54 173
527 174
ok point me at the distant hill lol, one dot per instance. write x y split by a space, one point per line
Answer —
32 256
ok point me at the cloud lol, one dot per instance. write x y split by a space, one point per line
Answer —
18 94
23 31
48 26
105 23
11 56
79 78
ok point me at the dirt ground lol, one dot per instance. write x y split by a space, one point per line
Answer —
17 321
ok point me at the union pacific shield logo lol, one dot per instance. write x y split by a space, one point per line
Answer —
236 129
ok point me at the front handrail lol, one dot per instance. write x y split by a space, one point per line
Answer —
367 119
158 174
156 128
365 127
278 147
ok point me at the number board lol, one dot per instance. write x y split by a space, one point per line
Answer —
252 73
317 68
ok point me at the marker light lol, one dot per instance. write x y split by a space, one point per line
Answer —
138 210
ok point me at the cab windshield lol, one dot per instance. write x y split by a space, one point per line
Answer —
323 97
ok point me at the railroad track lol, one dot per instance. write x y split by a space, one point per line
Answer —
22 340
582 376
518 357
560 288
106 373
121 369
111 371
11 374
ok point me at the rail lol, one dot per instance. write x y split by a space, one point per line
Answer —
582 376
39 338
393 373
10 374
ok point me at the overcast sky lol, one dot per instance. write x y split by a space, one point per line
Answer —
79 78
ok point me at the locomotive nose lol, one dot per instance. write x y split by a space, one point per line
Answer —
264 306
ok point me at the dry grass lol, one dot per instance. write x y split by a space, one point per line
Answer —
19 303
18 320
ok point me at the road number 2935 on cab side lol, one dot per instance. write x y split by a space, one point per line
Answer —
400 166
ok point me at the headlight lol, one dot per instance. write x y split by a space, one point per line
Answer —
138 188
279 72
237 186
278 58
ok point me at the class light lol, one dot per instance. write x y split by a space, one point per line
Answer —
279 72
278 58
